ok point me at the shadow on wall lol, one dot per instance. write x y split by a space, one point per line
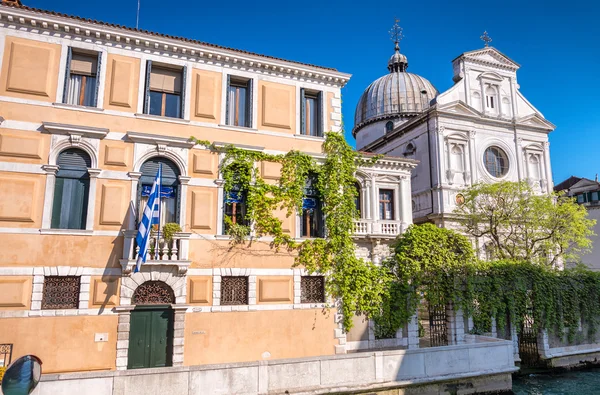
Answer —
110 281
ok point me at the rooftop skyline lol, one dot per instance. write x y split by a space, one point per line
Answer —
554 44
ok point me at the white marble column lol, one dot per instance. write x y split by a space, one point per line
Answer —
89 221
405 202
549 181
184 181
368 195
134 176
51 171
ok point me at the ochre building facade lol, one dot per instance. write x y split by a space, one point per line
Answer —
88 112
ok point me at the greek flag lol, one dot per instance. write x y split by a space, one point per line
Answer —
151 217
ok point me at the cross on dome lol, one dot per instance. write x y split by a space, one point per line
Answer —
396 34
398 62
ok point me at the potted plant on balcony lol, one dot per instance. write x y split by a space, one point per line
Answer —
166 242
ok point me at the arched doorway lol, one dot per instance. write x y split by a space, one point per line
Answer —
151 326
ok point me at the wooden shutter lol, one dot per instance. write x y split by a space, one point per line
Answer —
73 163
249 104
302 111
183 86
71 190
320 125
165 80
170 172
147 87
67 75
98 68
227 100
84 64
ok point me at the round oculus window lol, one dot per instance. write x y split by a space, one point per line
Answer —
495 161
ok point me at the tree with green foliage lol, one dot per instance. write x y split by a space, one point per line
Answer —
515 223
430 263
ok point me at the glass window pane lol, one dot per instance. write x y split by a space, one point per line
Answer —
173 106
311 116
241 105
90 92
74 89
155 103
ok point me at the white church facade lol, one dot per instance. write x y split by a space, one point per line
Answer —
482 129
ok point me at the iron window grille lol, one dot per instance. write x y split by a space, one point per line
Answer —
312 289
61 292
234 290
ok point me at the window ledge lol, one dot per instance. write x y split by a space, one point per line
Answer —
77 108
222 237
162 119
238 128
67 232
311 138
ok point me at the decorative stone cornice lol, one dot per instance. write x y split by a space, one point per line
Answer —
76 132
44 23
161 141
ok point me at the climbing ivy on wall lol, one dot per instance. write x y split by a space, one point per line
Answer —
439 266
356 284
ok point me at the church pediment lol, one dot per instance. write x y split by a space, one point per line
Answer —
536 121
584 183
492 57
460 108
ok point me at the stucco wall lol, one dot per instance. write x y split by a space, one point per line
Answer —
64 344
252 336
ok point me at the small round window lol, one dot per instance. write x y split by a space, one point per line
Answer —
495 162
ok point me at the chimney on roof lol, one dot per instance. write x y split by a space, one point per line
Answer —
12 2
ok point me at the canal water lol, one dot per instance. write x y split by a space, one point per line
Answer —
583 382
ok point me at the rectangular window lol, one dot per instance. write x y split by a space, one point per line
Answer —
239 102
311 113
311 223
81 80
164 91
580 199
60 292
69 207
386 204
234 208
312 289
234 290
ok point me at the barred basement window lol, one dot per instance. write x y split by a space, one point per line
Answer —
61 292
234 290
312 289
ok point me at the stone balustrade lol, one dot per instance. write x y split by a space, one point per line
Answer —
174 252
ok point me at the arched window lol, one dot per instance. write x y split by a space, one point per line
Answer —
410 149
495 161
357 200
534 167
491 101
170 188
476 100
389 126
311 224
69 208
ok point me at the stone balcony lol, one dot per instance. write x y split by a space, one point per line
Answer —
174 253
378 228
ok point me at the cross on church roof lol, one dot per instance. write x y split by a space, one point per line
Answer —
396 33
486 39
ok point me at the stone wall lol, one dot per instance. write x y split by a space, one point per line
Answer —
480 362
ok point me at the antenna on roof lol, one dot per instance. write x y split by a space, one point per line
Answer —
137 17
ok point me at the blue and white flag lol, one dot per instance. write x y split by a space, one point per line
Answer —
151 217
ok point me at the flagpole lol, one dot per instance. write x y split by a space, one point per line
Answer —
137 16
159 209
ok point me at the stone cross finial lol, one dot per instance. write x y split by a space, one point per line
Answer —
396 34
486 39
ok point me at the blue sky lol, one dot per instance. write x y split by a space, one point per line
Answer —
556 43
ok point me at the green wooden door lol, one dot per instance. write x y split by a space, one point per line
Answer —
150 338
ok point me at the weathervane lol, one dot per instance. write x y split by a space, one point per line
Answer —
396 34
486 39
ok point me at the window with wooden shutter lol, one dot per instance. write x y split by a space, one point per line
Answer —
71 190
386 204
170 188
81 78
164 92
239 102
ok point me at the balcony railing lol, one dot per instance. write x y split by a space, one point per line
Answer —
174 252
366 227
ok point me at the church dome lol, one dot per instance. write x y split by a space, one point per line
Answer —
396 94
